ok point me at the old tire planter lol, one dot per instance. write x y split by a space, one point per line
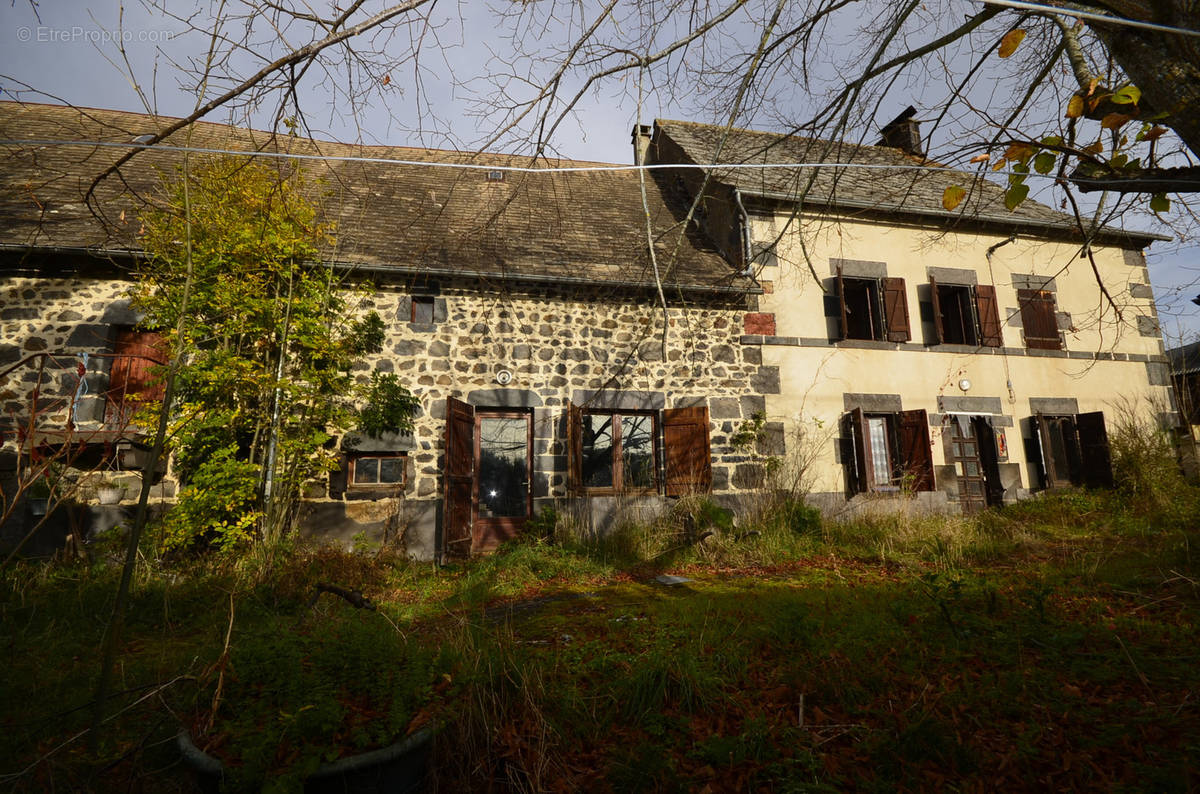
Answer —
400 767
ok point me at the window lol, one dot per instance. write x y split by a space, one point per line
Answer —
422 309
1073 450
890 451
965 314
618 450
378 471
1038 319
873 308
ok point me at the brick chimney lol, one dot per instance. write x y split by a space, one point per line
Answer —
904 133
641 142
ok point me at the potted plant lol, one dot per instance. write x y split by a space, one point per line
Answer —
330 707
37 496
109 492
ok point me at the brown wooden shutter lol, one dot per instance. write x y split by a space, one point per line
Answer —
574 448
895 310
1037 317
1045 450
458 476
1095 457
939 331
864 474
338 477
990 333
131 378
843 326
916 457
686 450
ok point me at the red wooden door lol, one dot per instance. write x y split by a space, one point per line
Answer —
503 498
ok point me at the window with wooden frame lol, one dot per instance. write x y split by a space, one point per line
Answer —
422 309
1073 450
617 450
620 450
965 314
1038 319
891 452
872 308
378 471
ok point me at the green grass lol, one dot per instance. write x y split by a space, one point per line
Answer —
1047 645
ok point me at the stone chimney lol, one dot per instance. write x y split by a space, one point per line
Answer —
641 142
904 133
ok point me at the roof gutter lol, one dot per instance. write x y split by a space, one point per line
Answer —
130 253
66 250
534 278
1147 237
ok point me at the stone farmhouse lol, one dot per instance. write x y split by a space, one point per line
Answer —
908 355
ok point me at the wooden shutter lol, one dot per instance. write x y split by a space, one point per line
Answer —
990 333
1095 458
916 457
131 378
1037 317
864 474
895 310
1051 476
686 448
939 331
989 459
574 448
338 477
843 326
458 476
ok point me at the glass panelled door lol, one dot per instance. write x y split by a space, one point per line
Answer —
502 465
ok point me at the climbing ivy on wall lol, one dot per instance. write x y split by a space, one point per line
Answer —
265 348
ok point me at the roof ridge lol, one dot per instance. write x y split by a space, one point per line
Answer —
133 114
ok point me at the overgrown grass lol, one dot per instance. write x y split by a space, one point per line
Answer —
1048 644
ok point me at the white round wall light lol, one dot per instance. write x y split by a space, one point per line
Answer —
504 377
965 384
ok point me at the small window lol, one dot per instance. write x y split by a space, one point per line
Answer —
891 452
422 309
1074 450
955 314
619 451
612 451
965 314
863 308
873 308
378 471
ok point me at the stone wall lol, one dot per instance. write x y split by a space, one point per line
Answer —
595 348
63 317
564 348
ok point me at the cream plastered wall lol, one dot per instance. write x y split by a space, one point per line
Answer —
1109 361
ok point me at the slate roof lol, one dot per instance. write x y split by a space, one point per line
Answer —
1185 359
891 185
556 228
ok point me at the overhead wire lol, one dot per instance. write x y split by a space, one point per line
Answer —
514 168
1023 5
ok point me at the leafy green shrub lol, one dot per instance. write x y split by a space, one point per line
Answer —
218 507
800 517
390 406
543 524
1145 469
